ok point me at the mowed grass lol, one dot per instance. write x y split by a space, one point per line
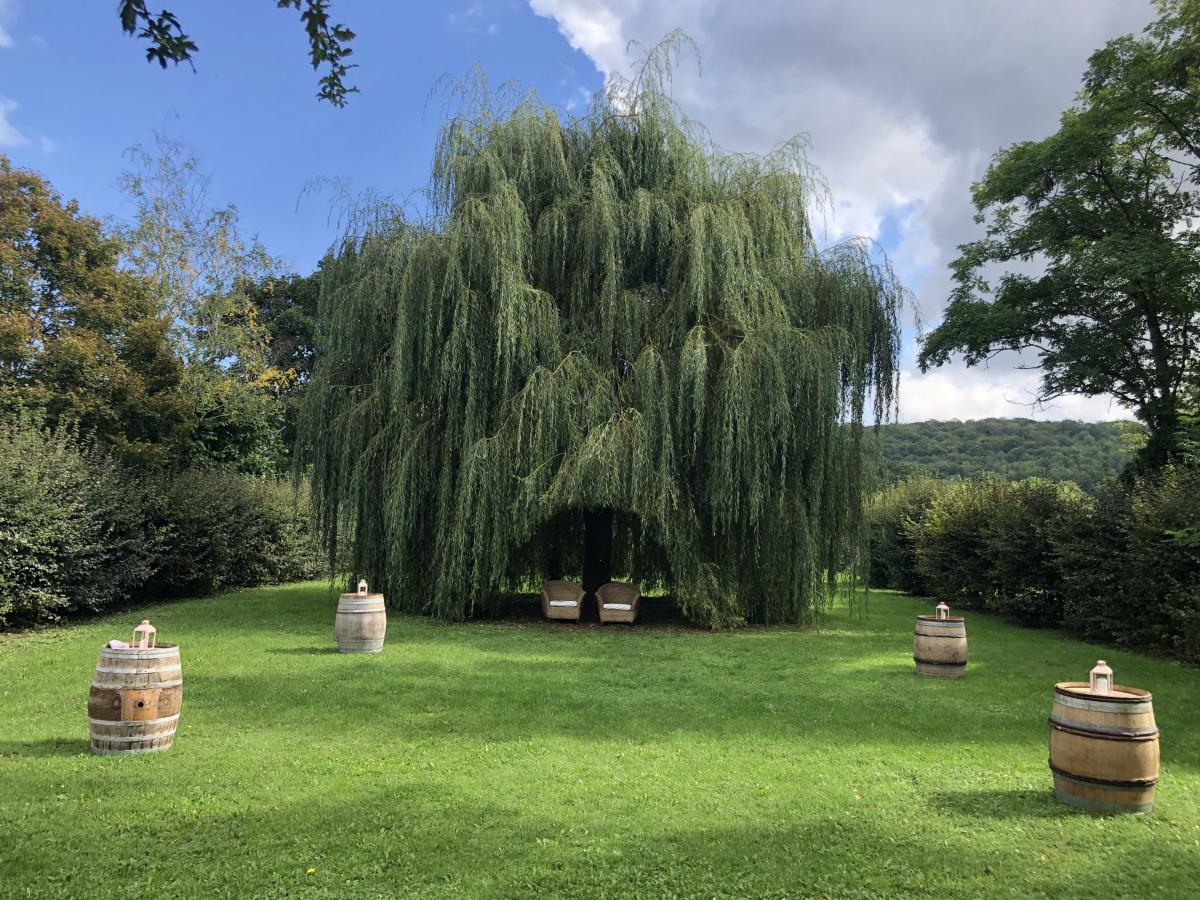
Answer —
514 758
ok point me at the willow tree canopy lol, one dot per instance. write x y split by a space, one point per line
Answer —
609 328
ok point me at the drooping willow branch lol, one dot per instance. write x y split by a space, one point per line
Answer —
604 312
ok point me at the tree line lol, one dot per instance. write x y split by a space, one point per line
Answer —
1086 453
1121 566
150 373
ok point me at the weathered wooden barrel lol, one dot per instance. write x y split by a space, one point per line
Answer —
133 706
940 646
1104 748
360 623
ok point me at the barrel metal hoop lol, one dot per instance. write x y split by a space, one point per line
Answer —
132 739
1129 784
945 637
948 665
126 686
139 652
140 671
1100 806
111 722
1086 729
1070 698
1128 706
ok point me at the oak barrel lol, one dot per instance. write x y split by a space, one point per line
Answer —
133 705
940 646
360 623
1104 748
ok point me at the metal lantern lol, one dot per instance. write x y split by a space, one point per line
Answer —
943 611
1101 678
362 587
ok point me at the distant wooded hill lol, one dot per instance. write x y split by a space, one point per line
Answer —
1083 452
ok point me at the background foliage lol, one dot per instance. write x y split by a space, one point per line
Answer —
1122 566
80 532
1084 452
145 402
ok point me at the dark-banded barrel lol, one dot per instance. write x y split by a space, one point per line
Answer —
940 646
134 702
1104 748
360 624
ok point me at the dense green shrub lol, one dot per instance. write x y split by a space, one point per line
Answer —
73 534
226 530
79 532
990 542
891 515
1131 572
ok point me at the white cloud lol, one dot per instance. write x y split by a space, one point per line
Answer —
992 393
46 144
8 14
904 104
474 11
9 135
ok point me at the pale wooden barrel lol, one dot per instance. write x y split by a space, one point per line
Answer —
1104 748
940 646
134 702
360 623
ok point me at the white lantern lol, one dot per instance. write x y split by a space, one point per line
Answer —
943 611
1101 678
143 635
362 587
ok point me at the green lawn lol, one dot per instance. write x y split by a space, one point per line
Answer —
503 759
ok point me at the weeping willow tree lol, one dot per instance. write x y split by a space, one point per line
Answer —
610 348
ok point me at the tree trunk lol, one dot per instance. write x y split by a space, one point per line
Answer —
597 548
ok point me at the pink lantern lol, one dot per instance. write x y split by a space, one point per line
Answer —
362 587
143 635
1101 678
943 611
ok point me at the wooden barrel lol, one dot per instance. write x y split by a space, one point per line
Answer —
940 646
360 623
133 706
1103 748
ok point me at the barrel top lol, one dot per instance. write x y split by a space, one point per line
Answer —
361 597
925 618
1120 693
162 649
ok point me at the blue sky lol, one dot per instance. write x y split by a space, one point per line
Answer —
83 93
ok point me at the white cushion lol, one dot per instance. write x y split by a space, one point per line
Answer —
622 606
565 603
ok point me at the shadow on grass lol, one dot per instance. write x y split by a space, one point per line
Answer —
46 747
431 838
305 651
1018 803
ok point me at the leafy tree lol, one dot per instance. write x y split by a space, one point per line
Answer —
286 308
1084 452
201 272
1091 231
328 42
614 349
81 340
